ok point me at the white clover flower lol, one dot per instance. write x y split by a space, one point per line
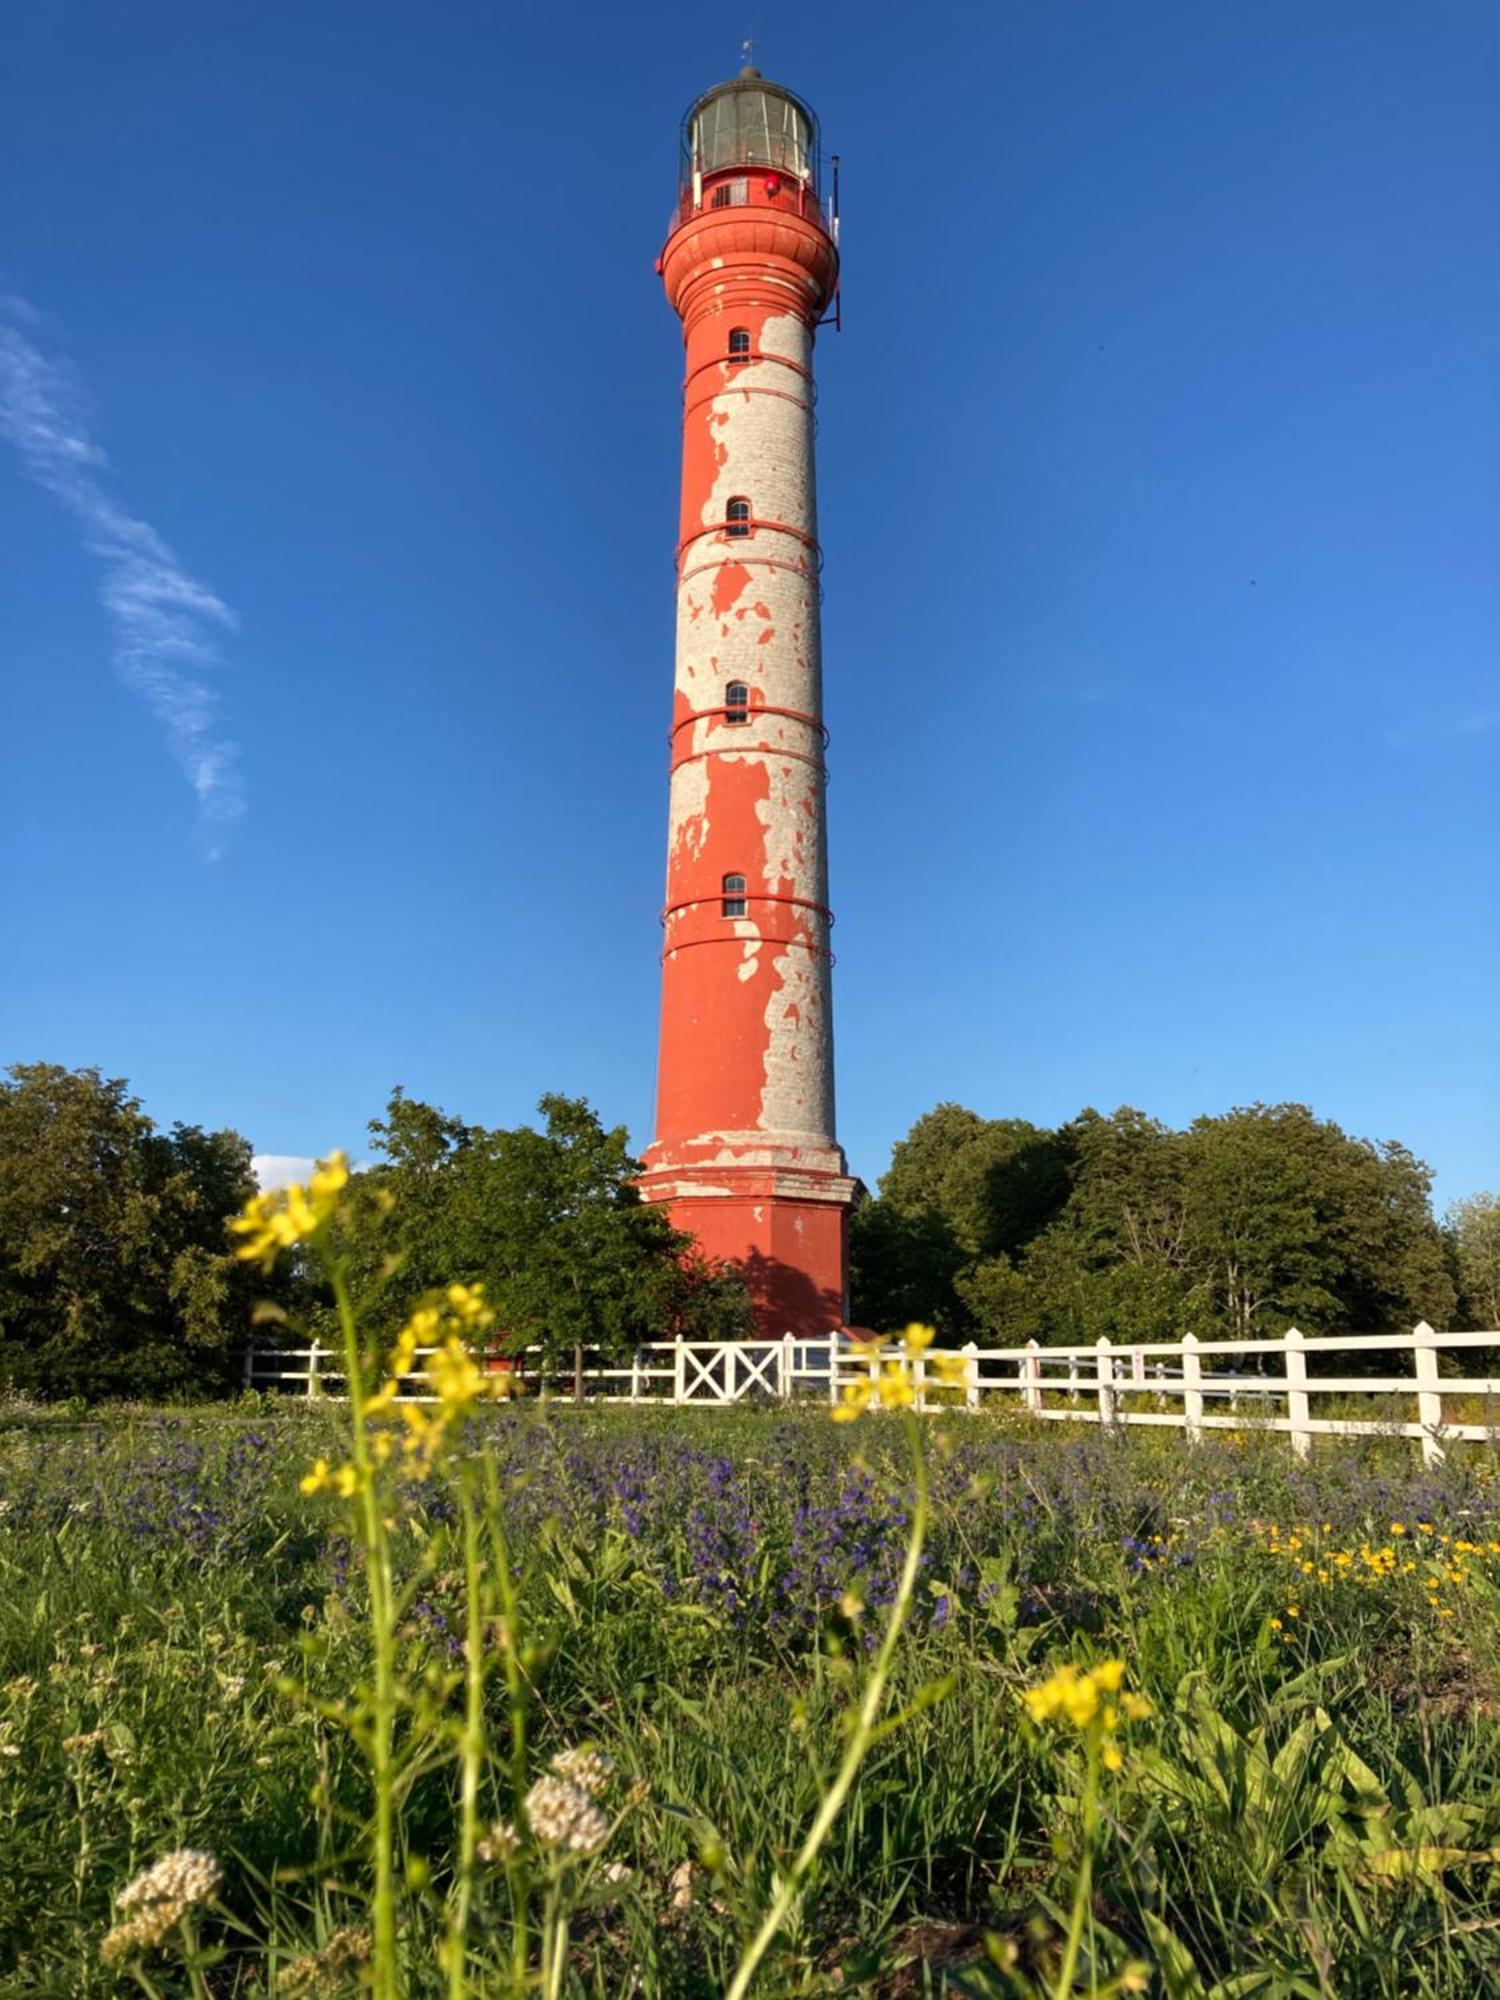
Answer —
499 1843
142 1932
590 1770
560 1815
185 1876
680 1883
326 1971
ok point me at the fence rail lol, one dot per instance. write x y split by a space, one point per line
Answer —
1158 1383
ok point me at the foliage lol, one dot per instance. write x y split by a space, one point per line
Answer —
549 1221
1242 1225
555 1827
1473 1227
182 1632
115 1275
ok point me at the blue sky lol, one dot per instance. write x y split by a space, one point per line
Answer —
1157 465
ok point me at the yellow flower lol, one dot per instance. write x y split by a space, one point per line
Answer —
853 1403
895 1388
1076 1698
894 1384
280 1218
341 1479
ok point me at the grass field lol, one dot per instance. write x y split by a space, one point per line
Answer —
1313 1808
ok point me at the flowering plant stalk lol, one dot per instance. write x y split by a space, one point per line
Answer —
445 1328
1092 1704
893 1387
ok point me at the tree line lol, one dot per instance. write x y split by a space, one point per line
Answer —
1242 1225
117 1277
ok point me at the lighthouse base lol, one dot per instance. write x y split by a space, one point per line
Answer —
785 1229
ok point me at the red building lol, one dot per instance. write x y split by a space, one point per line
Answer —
745 1153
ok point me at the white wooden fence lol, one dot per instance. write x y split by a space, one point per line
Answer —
1250 1384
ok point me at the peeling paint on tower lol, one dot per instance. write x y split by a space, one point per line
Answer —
745 1151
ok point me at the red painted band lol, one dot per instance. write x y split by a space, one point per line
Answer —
721 528
753 562
802 944
704 714
747 896
732 368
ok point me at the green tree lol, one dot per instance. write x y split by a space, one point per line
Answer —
960 1189
115 1273
1291 1221
995 1182
549 1221
1118 1225
1128 1198
1473 1226
903 1264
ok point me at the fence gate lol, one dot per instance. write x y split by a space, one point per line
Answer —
724 1372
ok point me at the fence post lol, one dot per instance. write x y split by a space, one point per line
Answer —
635 1375
578 1372
788 1366
313 1385
1031 1376
920 1371
1429 1396
971 1375
1104 1371
1296 1392
1192 1393
833 1367
249 1364
679 1374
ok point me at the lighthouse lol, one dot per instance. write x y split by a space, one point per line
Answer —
745 1154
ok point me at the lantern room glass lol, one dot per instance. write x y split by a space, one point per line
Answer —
750 123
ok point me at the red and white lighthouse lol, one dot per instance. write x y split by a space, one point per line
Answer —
745 1153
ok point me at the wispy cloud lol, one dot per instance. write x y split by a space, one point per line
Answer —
165 622
1422 728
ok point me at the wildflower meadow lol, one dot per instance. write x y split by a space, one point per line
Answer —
476 1695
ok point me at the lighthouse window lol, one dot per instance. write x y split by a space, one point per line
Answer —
737 702
737 518
739 343
733 904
